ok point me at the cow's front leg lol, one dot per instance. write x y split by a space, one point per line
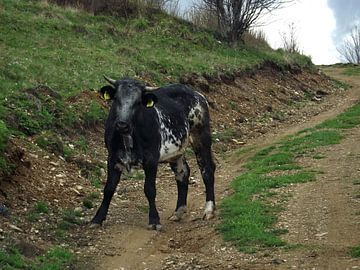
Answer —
150 192
112 181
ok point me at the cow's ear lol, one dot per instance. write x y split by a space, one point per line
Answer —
107 92
149 100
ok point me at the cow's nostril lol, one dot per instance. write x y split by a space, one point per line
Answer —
122 127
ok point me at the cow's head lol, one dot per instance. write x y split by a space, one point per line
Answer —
128 97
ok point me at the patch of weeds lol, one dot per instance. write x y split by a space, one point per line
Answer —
279 116
12 259
225 135
143 208
136 175
38 209
233 105
308 142
95 181
72 216
94 115
140 24
87 203
41 207
189 152
244 150
352 71
68 152
55 259
319 156
356 182
247 218
4 137
341 84
346 120
355 252
82 144
50 142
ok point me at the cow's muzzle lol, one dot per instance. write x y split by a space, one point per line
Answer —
122 127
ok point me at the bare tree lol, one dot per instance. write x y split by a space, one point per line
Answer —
289 40
350 49
235 17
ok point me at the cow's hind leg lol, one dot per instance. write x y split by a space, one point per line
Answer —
182 172
201 143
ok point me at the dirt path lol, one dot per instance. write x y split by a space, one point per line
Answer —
320 216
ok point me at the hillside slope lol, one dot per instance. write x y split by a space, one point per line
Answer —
51 120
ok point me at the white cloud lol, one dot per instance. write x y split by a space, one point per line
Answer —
314 23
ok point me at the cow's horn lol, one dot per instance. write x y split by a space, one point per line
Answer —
150 88
111 81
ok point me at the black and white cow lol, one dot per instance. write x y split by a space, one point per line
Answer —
147 127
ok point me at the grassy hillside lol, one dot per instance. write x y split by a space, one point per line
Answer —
69 50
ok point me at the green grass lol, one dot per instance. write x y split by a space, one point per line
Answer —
68 51
352 70
355 252
346 120
4 135
248 217
55 259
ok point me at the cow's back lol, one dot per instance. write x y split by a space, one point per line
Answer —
180 109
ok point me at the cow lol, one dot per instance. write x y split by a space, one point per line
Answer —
147 127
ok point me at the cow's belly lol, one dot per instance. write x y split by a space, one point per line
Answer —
172 149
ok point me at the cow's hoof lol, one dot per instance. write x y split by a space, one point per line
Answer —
209 210
95 225
208 216
177 215
155 227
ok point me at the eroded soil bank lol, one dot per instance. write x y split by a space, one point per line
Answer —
252 109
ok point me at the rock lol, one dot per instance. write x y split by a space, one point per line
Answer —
4 211
15 228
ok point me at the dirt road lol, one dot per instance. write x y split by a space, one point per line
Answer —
322 216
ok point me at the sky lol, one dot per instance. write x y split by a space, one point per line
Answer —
320 26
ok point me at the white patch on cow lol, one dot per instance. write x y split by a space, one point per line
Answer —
180 169
209 210
196 114
171 146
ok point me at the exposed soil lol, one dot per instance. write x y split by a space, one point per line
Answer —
247 109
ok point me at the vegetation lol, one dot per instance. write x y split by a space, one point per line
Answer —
56 259
247 216
355 252
51 55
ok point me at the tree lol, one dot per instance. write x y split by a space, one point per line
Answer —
350 49
235 17
289 40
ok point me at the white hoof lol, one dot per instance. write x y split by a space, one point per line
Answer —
209 210
95 225
154 227
178 214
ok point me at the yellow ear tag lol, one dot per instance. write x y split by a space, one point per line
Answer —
107 96
150 103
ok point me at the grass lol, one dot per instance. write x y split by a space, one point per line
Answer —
38 209
68 51
352 70
55 259
248 217
355 252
